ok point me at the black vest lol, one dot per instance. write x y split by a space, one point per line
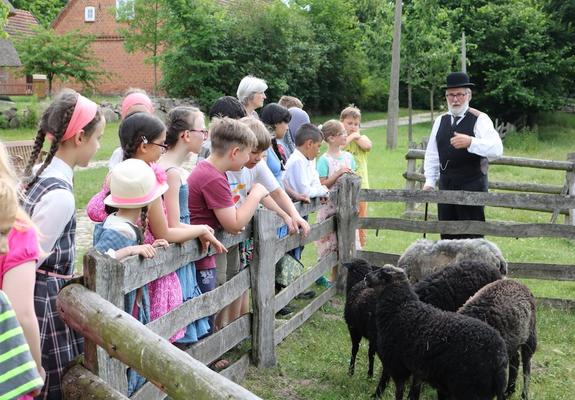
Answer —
457 161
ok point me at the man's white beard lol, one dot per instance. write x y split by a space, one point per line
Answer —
458 110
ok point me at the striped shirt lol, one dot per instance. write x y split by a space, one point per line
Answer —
18 372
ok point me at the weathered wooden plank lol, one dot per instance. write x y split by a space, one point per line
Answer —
317 231
561 304
346 217
471 198
138 272
237 371
266 253
303 315
81 384
511 186
212 347
377 258
149 392
104 276
470 227
304 281
175 372
201 306
556 272
514 161
570 181
308 208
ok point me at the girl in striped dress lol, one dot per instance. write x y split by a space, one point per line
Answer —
74 125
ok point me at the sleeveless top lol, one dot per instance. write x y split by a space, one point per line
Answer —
63 253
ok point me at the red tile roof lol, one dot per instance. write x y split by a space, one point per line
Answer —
20 22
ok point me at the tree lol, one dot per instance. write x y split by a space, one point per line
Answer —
393 104
520 65
45 11
3 19
145 30
193 60
66 56
428 51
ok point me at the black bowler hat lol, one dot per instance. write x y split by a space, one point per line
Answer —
458 80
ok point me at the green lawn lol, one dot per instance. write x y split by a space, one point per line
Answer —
313 361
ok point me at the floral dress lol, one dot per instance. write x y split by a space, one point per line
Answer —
328 243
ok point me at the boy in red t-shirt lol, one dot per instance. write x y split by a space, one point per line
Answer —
210 199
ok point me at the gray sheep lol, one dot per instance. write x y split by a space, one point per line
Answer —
424 256
462 357
509 307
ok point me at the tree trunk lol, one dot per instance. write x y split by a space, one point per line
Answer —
393 102
410 111
431 105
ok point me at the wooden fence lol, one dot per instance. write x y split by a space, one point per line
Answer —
414 178
114 340
535 197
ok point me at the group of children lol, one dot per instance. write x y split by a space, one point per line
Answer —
149 200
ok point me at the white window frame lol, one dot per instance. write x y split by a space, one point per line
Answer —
90 14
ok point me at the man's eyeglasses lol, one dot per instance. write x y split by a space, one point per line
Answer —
452 96
204 132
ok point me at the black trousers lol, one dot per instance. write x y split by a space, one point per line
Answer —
453 212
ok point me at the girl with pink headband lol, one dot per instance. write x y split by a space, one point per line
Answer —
74 125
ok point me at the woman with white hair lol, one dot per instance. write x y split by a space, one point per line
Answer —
251 93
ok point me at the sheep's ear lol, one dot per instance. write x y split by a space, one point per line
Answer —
347 264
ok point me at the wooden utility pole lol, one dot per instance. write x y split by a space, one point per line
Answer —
463 53
393 102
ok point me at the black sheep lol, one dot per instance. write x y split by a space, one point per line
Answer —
359 311
463 358
452 286
509 307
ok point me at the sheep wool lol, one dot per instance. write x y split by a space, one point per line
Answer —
449 288
462 357
424 256
359 311
509 307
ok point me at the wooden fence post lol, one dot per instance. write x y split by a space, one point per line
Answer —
570 181
347 218
266 255
410 184
105 276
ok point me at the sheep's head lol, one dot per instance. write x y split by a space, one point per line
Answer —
357 268
384 276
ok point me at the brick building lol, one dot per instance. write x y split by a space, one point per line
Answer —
19 23
98 17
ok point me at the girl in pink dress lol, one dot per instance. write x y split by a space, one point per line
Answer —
331 166
19 252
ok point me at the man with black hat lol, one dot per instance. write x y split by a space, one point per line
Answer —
460 143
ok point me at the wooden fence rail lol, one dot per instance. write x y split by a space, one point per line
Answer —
414 178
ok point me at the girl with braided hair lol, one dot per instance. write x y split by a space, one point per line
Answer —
74 125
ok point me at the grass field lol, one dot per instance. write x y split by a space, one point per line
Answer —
313 361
